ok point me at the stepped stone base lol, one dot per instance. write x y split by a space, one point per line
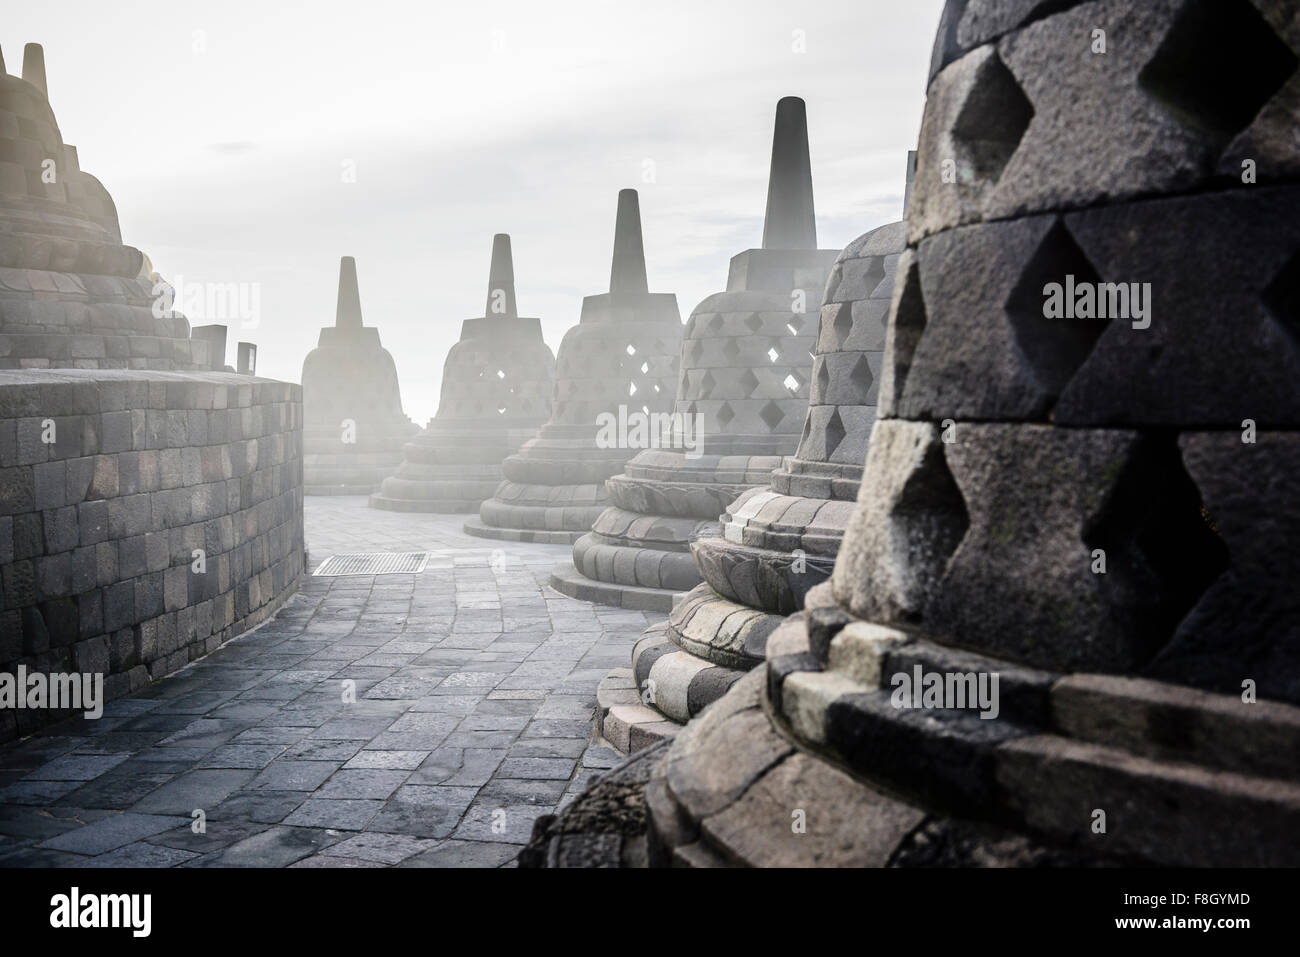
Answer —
681 666
719 630
662 504
353 484
357 472
564 510
443 489
814 738
623 720
430 505
478 529
666 482
664 688
732 788
1060 749
567 580
774 548
725 792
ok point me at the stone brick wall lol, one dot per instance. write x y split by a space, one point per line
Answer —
100 528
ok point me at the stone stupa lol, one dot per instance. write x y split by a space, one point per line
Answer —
777 541
1097 510
496 393
618 363
354 427
126 454
743 386
71 294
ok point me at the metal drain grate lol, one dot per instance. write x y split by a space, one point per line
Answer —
373 563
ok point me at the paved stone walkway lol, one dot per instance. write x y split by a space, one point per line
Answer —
474 691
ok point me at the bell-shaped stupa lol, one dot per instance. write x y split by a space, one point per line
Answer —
743 385
780 540
71 294
614 374
354 427
496 393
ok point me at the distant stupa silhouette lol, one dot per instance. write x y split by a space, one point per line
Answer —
354 426
496 393
745 374
620 358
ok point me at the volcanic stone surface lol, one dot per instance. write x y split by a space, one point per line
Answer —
1093 508
744 381
354 427
71 294
496 393
615 368
150 509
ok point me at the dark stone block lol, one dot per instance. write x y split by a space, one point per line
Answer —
1246 625
943 758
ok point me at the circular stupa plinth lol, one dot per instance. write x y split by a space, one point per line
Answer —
496 392
617 365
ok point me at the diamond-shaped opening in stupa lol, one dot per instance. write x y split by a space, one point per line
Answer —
1217 66
772 414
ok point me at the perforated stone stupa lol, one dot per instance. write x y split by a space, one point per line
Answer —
779 540
71 294
354 427
742 389
617 364
496 393
1100 512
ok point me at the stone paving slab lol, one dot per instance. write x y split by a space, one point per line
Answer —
469 714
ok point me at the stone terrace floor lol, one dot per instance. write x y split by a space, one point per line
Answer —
475 685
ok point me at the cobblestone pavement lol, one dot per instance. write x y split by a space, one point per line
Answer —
474 691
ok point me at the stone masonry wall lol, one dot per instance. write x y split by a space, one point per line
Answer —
99 528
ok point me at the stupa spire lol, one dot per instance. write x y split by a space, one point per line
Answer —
348 312
627 276
501 279
34 67
790 221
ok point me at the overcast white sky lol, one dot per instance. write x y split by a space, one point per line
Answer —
221 130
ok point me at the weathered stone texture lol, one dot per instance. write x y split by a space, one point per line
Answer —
71 294
98 563
1097 512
